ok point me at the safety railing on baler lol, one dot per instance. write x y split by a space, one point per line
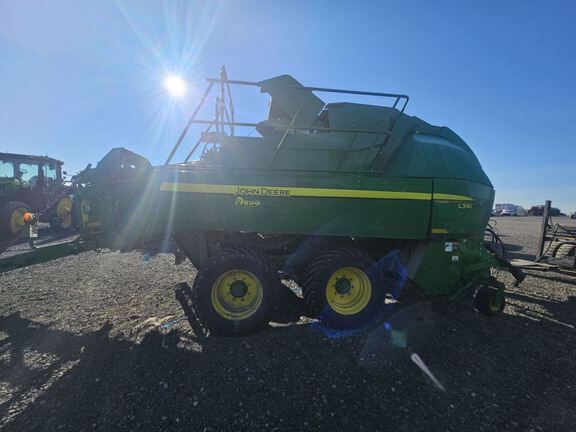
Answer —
225 116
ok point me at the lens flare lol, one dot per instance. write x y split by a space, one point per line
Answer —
175 85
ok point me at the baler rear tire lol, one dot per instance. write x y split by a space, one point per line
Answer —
225 311
351 266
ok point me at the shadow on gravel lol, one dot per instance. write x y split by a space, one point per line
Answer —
556 277
499 374
512 251
562 311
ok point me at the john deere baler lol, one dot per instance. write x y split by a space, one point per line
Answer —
352 201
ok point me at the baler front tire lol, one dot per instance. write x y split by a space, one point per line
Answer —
486 301
235 291
342 288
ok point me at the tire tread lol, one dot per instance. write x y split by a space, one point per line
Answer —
220 260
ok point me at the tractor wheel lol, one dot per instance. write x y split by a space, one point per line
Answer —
235 292
486 301
342 288
62 219
12 218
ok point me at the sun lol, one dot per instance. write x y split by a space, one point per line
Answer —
175 85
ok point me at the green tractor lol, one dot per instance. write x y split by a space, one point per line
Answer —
354 202
31 184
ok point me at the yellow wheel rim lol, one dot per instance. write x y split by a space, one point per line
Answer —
348 291
64 212
17 219
85 211
494 304
237 294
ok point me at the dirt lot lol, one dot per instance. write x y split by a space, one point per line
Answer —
103 342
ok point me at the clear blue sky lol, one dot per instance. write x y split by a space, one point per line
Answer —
80 77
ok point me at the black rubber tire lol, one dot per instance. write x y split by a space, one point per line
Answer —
5 214
56 223
485 301
315 283
211 269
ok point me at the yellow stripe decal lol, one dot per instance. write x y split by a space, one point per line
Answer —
439 231
450 197
275 191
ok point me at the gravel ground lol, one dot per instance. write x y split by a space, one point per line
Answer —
105 342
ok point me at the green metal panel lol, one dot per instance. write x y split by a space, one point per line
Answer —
450 264
430 151
194 197
461 218
290 101
334 204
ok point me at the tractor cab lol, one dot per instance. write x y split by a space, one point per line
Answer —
30 172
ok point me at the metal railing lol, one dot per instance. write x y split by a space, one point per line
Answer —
224 115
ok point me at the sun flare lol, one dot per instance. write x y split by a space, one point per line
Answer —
175 85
